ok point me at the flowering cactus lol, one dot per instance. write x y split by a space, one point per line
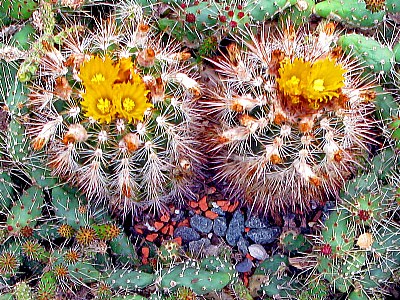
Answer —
293 115
110 109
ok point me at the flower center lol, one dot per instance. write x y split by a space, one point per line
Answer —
310 84
98 78
104 105
128 104
294 83
319 85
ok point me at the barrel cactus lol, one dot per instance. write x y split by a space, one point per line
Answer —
293 117
109 112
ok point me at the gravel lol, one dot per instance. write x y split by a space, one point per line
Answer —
220 226
264 235
235 228
201 224
187 234
197 247
244 266
255 222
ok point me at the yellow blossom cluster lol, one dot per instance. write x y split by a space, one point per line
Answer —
112 90
314 82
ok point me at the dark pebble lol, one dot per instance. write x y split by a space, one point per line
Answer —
235 228
219 211
264 235
201 224
220 226
178 217
215 240
187 234
244 266
197 247
255 222
243 245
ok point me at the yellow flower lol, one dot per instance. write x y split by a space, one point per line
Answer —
312 82
99 103
125 69
132 100
98 71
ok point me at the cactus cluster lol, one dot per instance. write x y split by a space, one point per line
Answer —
359 244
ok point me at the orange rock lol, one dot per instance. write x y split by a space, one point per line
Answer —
164 230
193 204
233 206
165 217
138 229
184 222
171 230
246 279
145 252
249 256
223 204
151 237
158 225
203 205
211 215
178 240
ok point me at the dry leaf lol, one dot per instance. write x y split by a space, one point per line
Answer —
365 241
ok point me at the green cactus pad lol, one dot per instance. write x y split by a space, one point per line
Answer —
336 232
24 37
129 280
351 12
22 291
22 10
26 210
376 57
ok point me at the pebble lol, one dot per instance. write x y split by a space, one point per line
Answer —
264 235
235 228
244 266
178 216
258 252
255 222
187 234
218 210
201 224
220 226
242 245
197 247
211 250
